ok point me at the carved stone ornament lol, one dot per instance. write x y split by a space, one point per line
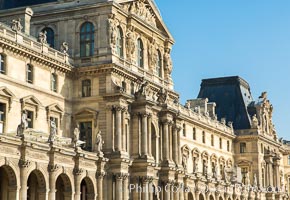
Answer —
53 131
142 92
16 25
42 38
167 62
130 42
99 142
64 47
162 96
113 32
142 10
152 53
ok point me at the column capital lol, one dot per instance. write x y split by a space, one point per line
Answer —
53 168
78 171
24 163
166 122
100 175
147 179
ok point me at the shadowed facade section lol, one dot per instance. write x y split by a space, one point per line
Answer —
6 4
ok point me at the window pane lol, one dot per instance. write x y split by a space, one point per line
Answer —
86 135
2 64
50 36
87 39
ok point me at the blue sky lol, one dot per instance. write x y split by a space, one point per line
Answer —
249 38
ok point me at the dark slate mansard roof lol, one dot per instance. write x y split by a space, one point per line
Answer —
233 98
6 4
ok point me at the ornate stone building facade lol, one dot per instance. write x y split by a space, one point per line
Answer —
88 111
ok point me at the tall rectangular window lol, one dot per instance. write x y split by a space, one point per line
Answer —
194 133
2 117
2 64
30 118
203 137
86 135
184 130
86 88
243 147
244 175
289 160
29 73
228 145
54 82
221 143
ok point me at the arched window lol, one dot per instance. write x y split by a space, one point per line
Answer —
2 64
86 88
29 73
140 53
87 39
159 64
120 47
54 82
49 36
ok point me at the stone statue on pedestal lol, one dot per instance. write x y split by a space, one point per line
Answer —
53 131
99 142
42 38
76 135
16 25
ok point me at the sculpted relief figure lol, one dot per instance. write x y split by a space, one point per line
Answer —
152 53
162 96
42 38
113 32
16 25
184 161
167 62
130 43
143 90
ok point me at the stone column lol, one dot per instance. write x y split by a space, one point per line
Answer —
167 192
23 179
52 182
175 146
145 192
277 174
149 136
77 176
119 187
165 142
170 141
125 187
100 179
119 128
144 141
179 146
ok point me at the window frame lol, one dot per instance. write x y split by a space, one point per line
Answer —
243 147
120 42
86 88
140 53
2 63
3 116
29 73
87 37
159 64
54 82
203 137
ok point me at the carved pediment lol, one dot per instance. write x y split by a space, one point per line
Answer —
5 92
87 113
55 108
7 95
147 11
32 100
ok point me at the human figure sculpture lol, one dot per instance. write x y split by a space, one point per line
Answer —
16 25
113 30
53 130
42 38
162 96
23 124
184 161
76 134
255 180
196 165
64 47
99 142
130 42
167 61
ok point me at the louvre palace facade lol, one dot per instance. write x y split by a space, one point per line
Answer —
88 111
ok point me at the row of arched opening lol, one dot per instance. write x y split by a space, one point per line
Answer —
37 186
